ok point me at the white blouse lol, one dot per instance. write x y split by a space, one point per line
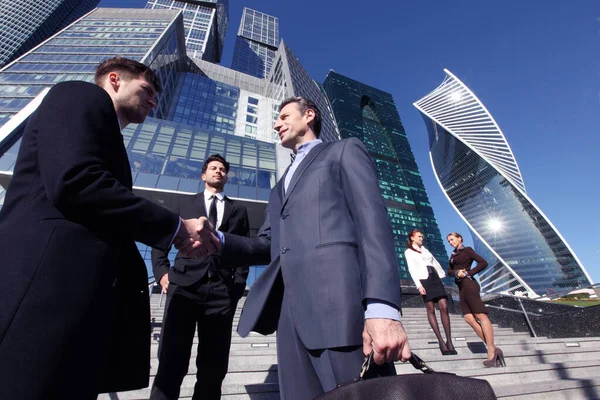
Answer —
418 261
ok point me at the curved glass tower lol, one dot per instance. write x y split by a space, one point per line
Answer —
478 173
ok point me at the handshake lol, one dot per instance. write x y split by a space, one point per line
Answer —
196 238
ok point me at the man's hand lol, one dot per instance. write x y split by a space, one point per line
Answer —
164 283
387 339
196 238
422 291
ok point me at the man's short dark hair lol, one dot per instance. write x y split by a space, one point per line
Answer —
303 105
129 69
215 157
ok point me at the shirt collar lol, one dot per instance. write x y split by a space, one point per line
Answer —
208 194
414 248
304 148
461 248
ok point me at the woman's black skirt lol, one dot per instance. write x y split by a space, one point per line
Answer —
434 287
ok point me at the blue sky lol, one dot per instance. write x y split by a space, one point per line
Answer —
534 64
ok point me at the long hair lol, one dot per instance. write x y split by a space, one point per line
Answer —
412 233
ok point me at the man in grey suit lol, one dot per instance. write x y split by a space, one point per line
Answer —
332 289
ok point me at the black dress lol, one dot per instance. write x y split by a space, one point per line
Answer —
462 259
434 287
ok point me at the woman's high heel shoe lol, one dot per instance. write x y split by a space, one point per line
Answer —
451 348
445 352
497 360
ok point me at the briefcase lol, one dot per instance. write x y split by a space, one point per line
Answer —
430 385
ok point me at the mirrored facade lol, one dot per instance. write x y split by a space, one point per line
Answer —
204 108
205 24
371 115
478 173
151 37
26 23
256 43
289 78
165 155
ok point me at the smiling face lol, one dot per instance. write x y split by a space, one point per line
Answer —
293 127
417 239
133 97
215 175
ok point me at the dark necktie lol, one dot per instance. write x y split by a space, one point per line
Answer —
212 217
212 212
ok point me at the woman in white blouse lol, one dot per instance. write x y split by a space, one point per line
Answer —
426 272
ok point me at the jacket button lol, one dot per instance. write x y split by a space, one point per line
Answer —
284 216
284 250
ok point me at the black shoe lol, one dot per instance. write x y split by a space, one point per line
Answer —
445 352
451 349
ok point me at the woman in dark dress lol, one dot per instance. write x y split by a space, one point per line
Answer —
473 309
426 273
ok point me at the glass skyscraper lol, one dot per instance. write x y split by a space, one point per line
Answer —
289 78
204 108
256 43
166 151
26 23
477 171
371 115
205 23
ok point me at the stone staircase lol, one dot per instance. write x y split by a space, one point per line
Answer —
537 368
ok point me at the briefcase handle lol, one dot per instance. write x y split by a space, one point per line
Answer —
414 360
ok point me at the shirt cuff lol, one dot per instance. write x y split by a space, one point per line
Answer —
221 238
379 309
176 232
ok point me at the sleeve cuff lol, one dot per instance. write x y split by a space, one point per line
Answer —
221 238
176 232
379 309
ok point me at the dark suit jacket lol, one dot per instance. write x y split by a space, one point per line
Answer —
187 271
330 239
74 287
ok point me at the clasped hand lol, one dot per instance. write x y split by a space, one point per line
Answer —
196 238
387 340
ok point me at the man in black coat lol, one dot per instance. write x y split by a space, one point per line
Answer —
201 292
74 309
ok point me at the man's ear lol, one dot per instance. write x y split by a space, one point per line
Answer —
114 80
310 115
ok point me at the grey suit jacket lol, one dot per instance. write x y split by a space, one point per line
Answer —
330 243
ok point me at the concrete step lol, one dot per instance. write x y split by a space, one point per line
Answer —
541 373
464 362
261 391
537 368
564 389
423 339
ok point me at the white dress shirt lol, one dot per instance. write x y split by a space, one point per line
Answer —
418 260
208 195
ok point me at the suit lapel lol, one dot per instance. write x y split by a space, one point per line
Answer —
310 157
200 206
280 185
229 207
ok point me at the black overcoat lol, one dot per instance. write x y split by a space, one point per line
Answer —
74 309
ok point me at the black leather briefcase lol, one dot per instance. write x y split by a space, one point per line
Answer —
430 385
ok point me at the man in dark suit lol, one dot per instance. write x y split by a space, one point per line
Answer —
332 289
200 292
74 310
